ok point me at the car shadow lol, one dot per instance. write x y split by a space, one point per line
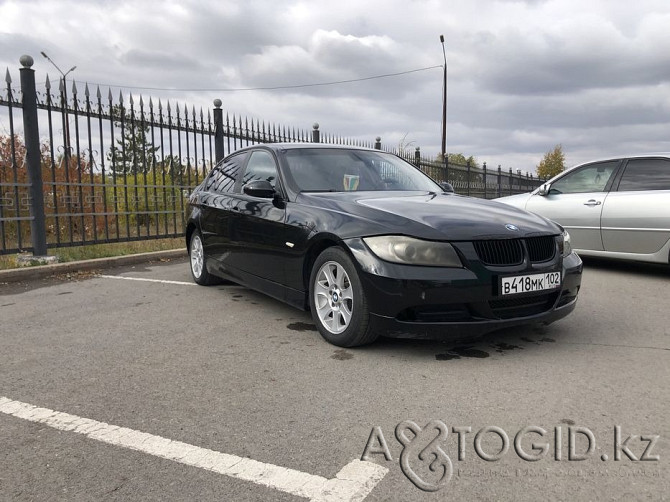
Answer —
635 267
501 342
497 343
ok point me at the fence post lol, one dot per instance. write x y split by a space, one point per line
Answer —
446 169
31 133
316 136
468 174
510 181
218 131
417 156
485 197
378 143
499 181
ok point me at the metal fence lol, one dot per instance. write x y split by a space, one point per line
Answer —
85 169
477 181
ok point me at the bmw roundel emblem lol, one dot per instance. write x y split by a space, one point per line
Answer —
512 228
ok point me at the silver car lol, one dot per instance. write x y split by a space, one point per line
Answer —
616 207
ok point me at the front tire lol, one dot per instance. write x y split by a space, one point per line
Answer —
198 261
337 300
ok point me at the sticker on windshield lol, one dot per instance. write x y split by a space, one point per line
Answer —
351 182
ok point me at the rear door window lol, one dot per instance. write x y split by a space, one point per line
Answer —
645 174
224 177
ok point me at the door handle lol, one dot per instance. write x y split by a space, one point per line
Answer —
592 203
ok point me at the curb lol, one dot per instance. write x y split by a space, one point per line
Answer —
40 272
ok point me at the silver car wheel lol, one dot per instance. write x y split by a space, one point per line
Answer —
333 297
197 256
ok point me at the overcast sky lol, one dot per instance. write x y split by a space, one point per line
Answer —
523 76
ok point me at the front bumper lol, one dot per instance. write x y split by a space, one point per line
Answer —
452 303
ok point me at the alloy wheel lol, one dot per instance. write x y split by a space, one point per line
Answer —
333 297
197 256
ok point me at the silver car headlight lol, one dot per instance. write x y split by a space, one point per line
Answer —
410 251
567 245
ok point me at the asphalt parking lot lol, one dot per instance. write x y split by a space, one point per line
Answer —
135 384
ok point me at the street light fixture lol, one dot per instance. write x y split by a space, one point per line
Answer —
56 66
444 104
66 120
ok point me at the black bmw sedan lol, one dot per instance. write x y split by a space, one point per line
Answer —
372 246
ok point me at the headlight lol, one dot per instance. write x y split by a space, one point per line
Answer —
409 251
567 245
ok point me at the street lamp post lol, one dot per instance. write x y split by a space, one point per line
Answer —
66 120
444 104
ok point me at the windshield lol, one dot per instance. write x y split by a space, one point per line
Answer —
338 170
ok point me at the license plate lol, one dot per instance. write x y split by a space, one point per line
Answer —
530 283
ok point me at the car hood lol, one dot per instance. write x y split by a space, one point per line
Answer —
434 216
519 200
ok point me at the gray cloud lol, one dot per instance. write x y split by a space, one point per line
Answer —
587 57
523 75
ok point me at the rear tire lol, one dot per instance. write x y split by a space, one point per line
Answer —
198 261
337 300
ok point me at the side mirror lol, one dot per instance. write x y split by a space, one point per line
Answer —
259 188
544 190
447 187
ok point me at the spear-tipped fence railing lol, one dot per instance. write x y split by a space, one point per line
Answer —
82 169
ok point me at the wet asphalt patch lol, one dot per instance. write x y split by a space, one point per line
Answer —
469 351
342 355
301 326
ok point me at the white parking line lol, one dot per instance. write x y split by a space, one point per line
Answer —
147 280
353 483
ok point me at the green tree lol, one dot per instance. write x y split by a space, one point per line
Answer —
172 166
552 164
462 160
458 173
458 159
133 152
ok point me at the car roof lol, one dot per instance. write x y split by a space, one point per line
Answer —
631 156
296 146
616 157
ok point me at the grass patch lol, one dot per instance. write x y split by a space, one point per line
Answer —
8 261
103 250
